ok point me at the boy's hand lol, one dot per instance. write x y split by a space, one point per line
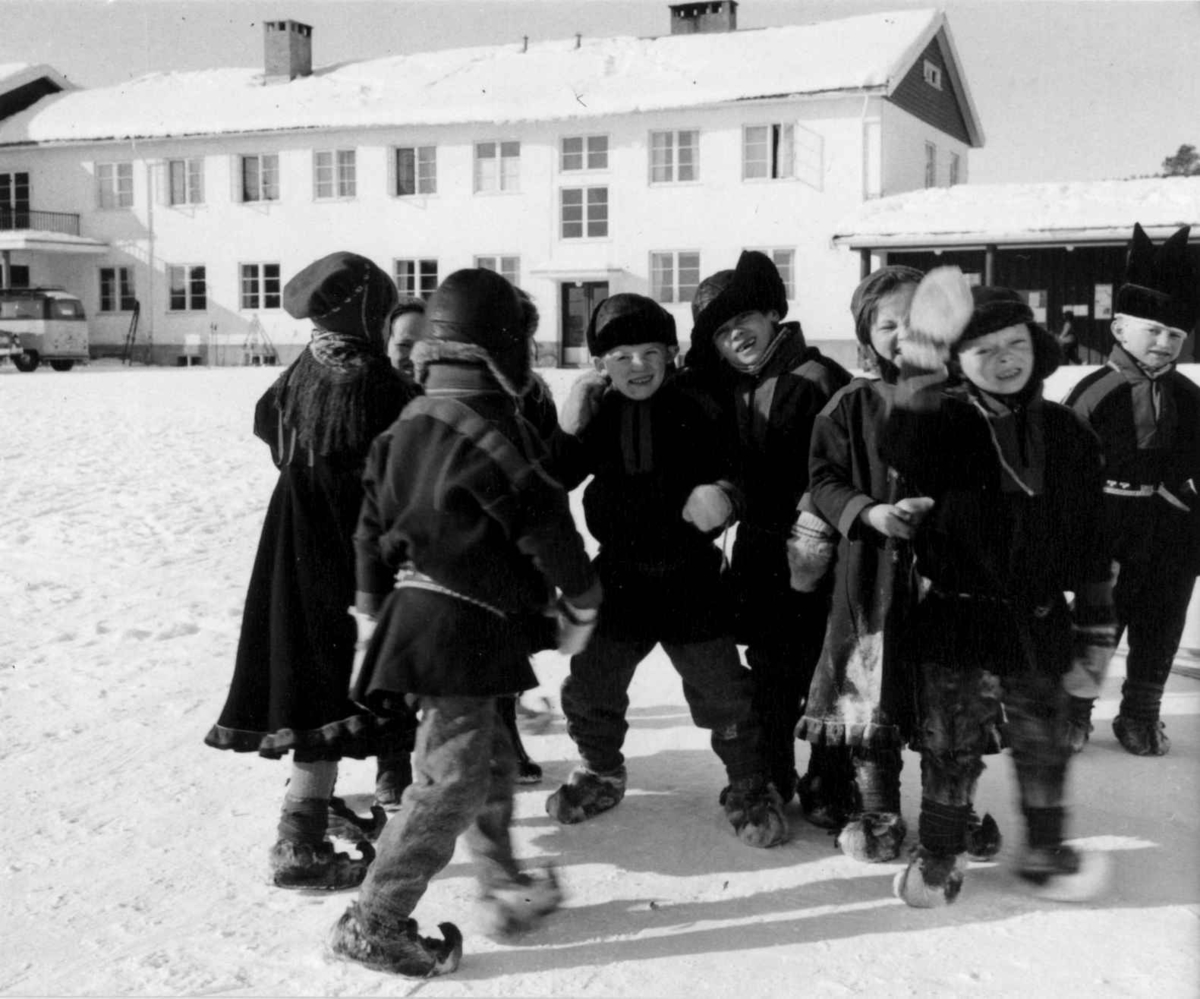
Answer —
899 520
582 402
708 507
575 626
365 624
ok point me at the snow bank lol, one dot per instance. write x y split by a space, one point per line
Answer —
133 858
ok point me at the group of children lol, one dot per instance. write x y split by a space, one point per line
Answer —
923 556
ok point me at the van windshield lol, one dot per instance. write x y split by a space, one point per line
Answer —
66 308
20 308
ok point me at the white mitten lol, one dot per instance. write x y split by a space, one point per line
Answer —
708 507
575 626
810 551
941 308
1092 650
582 402
365 624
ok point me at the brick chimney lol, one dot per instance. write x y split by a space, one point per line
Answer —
287 50
702 18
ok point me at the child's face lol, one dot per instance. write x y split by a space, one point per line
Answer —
406 330
744 339
1148 342
637 369
1001 362
891 319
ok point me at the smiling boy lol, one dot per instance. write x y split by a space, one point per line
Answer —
1147 416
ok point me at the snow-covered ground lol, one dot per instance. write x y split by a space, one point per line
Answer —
133 858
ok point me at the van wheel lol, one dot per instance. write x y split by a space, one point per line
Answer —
62 365
26 361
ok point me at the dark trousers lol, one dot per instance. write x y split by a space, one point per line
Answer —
717 687
1151 599
463 773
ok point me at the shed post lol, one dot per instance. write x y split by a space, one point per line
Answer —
989 264
864 263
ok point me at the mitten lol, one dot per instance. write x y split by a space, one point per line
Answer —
1094 639
810 551
708 507
365 623
575 626
582 403
941 308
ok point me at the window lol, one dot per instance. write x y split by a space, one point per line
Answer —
768 152
416 277
116 289
186 181
334 174
260 178
260 286
584 212
674 276
784 261
497 166
930 165
508 268
674 156
14 193
114 185
955 166
416 170
933 75
585 152
188 288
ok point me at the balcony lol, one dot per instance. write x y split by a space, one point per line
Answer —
13 219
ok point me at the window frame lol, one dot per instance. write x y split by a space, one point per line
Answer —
260 159
932 73
678 293
192 179
585 220
418 180
190 280
504 182
121 294
511 274
773 142
674 148
262 296
585 153
113 190
422 279
954 173
930 164
342 183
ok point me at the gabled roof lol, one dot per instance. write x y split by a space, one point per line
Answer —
498 84
23 84
1005 214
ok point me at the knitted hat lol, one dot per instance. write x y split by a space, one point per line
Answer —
1160 283
865 301
342 292
625 319
755 287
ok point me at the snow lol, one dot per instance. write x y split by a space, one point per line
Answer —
552 80
133 857
987 212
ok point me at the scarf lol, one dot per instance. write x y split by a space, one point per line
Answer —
1154 414
1018 436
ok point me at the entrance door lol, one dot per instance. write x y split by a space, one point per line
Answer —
579 298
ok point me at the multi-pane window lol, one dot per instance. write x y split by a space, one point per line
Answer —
116 289
955 166
260 177
674 275
930 165
114 185
334 173
768 152
260 286
584 212
508 268
674 156
416 277
186 181
14 193
497 166
785 263
585 152
188 288
416 170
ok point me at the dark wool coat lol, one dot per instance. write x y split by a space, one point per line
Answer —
662 578
860 693
1105 398
775 410
997 559
292 675
457 488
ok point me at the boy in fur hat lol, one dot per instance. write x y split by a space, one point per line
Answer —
1016 522
779 385
1147 415
658 496
457 487
290 682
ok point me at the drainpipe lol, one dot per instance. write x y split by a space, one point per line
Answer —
147 314
989 264
5 268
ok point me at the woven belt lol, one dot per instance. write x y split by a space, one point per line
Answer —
411 579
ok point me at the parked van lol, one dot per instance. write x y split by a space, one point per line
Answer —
50 324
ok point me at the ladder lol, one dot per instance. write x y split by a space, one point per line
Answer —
131 334
257 348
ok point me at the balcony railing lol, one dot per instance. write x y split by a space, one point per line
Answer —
25 218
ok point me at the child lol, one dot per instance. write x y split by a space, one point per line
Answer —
780 384
1147 416
407 321
658 496
1016 521
456 488
290 683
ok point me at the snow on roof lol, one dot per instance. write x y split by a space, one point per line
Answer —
552 80
1013 213
17 74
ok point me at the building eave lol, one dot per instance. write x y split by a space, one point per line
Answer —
911 241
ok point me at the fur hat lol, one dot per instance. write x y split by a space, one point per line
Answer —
708 289
1160 283
344 293
864 303
626 318
755 287
999 308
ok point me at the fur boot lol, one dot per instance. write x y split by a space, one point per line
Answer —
517 906
1064 874
930 880
317 867
403 953
755 811
873 837
586 794
983 836
1138 727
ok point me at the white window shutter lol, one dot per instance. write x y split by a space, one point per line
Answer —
810 157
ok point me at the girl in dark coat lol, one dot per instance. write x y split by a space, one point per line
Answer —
291 678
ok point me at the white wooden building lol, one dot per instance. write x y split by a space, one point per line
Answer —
579 168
